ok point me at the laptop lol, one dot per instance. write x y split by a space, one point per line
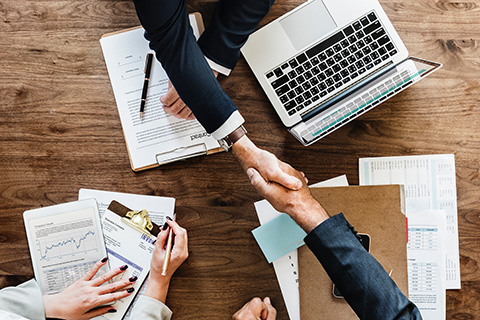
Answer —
327 62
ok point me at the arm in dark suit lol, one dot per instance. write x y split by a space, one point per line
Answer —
363 282
361 279
233 21
171 37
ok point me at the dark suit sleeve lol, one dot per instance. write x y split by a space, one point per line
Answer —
171 37
361 279
233 21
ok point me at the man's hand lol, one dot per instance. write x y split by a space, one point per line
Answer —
175 106
256 309
266 163
300 204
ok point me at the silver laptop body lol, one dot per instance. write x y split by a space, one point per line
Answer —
328 61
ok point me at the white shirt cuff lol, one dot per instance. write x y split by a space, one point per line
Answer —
220 69
233 122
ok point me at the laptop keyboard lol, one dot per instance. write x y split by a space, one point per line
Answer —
323 69
321 126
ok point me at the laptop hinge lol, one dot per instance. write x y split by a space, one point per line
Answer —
347 91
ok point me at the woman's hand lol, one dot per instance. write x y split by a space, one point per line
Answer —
157 287
78 300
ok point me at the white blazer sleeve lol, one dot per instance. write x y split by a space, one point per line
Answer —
25 300
147 308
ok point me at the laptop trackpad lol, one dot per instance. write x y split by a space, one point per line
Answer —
308 24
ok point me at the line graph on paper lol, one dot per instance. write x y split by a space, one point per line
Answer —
58 247
56 241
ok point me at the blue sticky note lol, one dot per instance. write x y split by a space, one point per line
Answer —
278 237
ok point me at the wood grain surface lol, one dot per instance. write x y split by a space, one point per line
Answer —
60 131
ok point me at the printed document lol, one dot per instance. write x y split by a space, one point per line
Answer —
65 241
157 137
126 246
429 184
158 209
425 254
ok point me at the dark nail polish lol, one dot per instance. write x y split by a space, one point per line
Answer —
124 267
130 290
165 226
112 310
168 218
104 259
133 279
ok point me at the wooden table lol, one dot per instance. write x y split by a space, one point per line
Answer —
60 131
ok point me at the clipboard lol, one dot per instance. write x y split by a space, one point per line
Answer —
129 238
205 145
138 220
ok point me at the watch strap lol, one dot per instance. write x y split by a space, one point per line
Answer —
235 135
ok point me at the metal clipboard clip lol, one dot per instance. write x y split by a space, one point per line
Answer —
140 221
181 153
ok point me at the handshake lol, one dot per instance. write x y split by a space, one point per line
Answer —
287 191
280 184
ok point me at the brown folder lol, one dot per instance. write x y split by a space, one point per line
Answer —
374 210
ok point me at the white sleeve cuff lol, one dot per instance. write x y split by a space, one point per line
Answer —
233 122
220 69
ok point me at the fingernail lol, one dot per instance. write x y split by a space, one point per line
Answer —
124 267
104 260
112 310
133 279
250 172
267 300
130 290
165 226
168 218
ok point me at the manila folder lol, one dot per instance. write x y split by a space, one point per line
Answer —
375 210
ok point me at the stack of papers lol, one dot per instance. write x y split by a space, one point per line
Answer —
431 209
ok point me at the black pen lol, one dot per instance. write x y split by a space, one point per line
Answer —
148 68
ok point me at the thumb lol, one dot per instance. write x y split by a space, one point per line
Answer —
288 181
171 96
272 312
100 311
256 179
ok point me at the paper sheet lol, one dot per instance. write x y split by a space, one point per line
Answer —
157 132
429 184
65 241
426 285
286 267
126 246
158 209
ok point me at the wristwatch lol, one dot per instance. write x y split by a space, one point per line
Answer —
227 142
